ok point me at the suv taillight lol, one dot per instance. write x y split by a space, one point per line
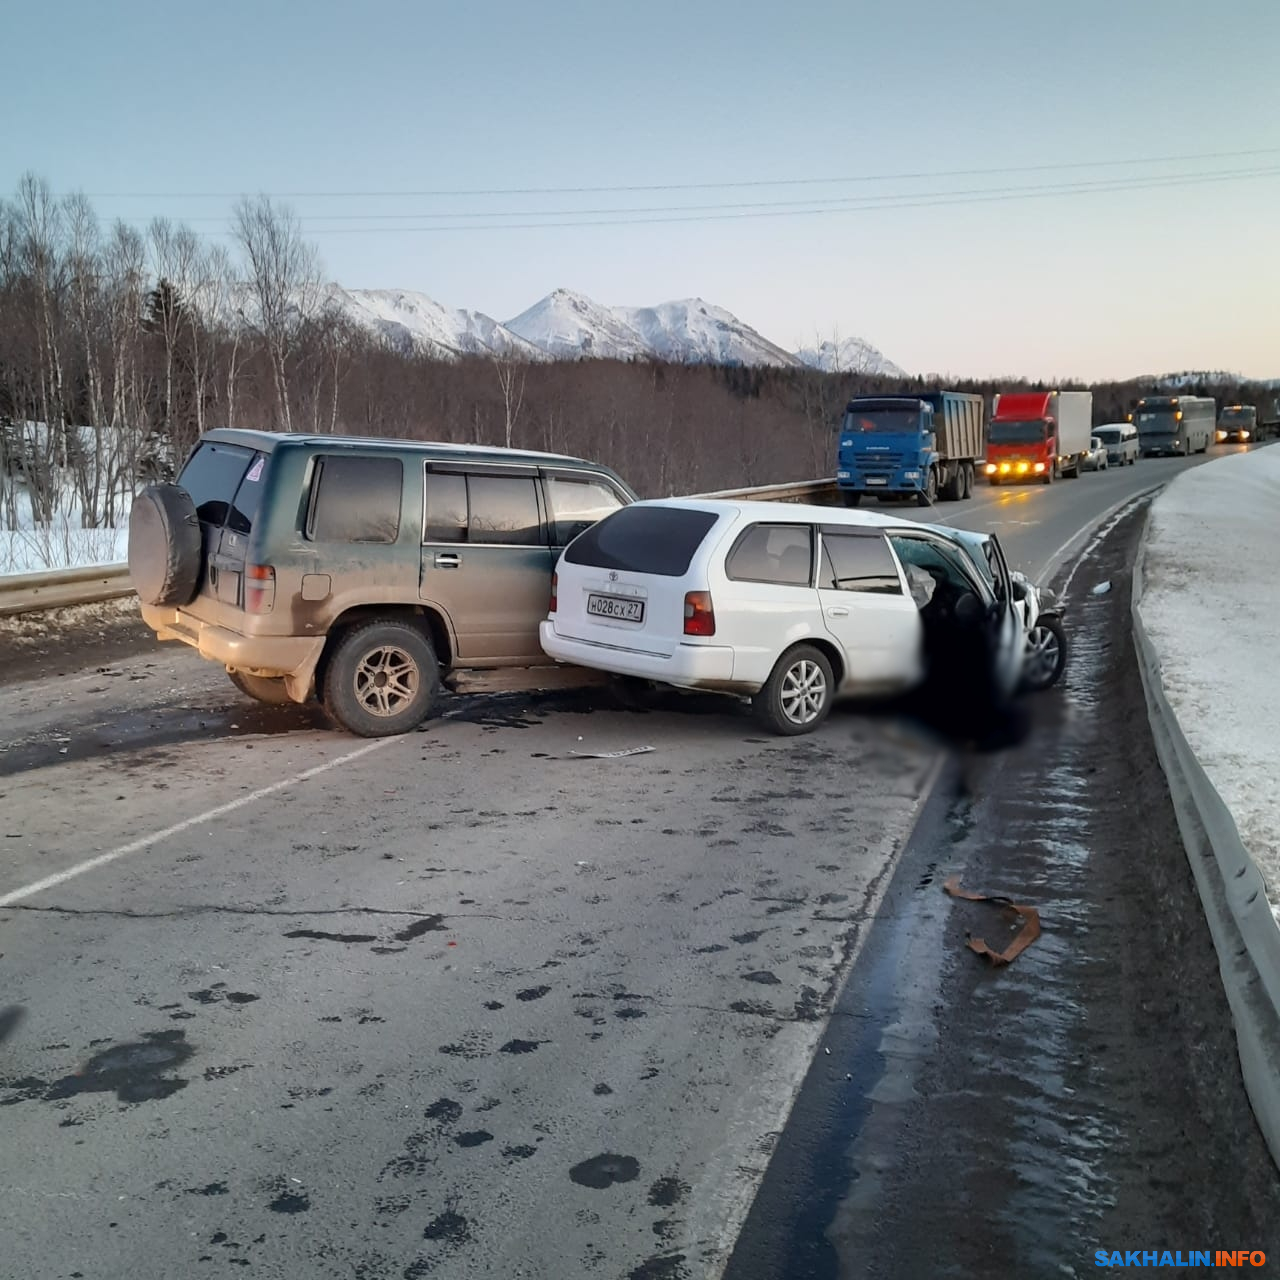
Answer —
699 616
259 588
555 582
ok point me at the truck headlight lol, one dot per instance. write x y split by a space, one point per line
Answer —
911 475
842 475
1022 468
1244 435
1004 468
991 468
1039 466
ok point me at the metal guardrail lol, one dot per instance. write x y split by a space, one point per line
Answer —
62 588
59 588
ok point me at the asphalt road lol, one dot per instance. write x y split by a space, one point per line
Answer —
462 1003
971 1121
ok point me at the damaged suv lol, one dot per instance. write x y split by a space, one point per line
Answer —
363 571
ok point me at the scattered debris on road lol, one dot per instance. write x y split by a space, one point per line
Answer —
1029 932
1101 589
610 755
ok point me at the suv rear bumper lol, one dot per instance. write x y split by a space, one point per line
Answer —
292 657
691 666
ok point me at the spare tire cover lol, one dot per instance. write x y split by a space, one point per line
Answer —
164 545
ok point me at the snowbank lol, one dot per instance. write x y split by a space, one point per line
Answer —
1211 607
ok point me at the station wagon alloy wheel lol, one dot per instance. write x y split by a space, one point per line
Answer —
798 693
804 692
386 680
1046 654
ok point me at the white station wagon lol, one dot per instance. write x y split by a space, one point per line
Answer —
793 606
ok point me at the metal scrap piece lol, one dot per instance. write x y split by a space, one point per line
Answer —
1029 932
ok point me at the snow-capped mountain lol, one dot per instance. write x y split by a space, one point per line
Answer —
850 355
412 320
570 326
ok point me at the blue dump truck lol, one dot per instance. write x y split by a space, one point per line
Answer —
922 446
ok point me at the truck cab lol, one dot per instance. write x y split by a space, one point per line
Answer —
1039 435
926 446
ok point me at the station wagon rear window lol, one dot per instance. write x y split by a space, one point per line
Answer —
355 499
654 540
775 553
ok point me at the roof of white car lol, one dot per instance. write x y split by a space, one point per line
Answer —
780 512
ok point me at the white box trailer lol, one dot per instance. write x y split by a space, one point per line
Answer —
1075 429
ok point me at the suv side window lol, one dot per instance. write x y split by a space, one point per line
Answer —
446 507
504 510
775 553
858 562
355 499
577 505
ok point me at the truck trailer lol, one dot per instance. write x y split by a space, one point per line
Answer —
1174 426
922 446
1039 435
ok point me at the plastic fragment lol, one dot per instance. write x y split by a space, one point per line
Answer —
1029 932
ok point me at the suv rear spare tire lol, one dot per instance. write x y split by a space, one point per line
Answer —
383 678
164 545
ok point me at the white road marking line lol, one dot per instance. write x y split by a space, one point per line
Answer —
135 846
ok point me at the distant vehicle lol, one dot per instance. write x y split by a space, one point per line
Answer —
1174 426
365 571
793 607
1039 435
929 446
1121 441
1269 417
1096 458
1237 424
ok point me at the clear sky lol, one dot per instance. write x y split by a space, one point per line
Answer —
198 102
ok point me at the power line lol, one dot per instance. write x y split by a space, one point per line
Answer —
834 202
903 202
684 186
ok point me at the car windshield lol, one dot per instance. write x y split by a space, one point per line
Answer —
1107 435
1017 432
882 421
1237 417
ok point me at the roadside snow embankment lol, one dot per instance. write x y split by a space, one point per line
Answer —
1211 608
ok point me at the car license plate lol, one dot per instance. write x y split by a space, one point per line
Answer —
877 480
616 607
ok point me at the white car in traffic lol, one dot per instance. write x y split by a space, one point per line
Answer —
792 606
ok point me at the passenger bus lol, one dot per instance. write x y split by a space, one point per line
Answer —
1174 425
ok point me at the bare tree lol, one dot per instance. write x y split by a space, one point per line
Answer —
285 283
511 371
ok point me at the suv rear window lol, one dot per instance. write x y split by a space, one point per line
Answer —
213 476
355 499
656 540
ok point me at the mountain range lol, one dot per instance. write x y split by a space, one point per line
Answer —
570 326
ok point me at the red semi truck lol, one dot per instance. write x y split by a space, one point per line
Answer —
1039 435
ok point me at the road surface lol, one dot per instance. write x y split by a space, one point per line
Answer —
278 1001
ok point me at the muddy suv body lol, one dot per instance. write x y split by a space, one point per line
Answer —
361 570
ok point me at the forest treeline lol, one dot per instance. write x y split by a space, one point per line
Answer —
119 346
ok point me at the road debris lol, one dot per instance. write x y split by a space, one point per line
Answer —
610 755
1101 589
1029 932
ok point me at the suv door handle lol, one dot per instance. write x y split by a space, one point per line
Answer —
447 560
838 612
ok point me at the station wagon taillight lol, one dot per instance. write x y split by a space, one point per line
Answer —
555 582
259 588
699 616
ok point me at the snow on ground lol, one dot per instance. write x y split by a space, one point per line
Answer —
1212 609
62 543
